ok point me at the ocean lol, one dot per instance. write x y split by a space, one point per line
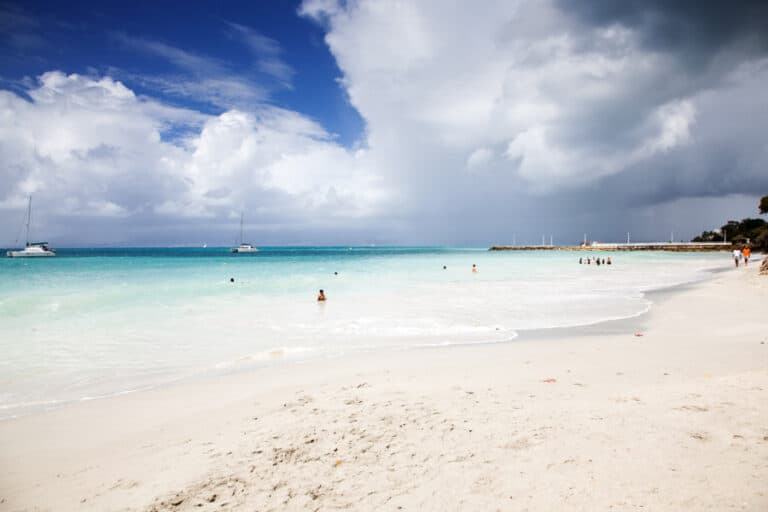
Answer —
92 323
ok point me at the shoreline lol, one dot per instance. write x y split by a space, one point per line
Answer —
682 411
634 323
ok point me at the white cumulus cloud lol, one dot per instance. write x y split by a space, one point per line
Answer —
89 148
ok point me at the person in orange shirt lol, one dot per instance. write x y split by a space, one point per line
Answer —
746 252
321 296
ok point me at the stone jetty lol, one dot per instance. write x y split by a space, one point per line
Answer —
599 246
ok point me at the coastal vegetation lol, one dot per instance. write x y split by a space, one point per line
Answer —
746 231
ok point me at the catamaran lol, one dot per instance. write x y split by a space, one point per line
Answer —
243 247
32 249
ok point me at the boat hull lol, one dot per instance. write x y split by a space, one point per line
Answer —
244 248
27 254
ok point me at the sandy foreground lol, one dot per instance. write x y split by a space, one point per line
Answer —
593 419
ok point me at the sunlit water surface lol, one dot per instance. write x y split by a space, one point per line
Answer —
95 322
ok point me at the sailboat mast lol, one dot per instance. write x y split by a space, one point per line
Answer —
241 228
29 219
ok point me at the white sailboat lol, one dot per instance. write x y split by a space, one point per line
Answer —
243 247
32 249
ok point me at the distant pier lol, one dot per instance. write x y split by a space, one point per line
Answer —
601 246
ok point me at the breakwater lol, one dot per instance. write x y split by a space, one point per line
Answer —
656 246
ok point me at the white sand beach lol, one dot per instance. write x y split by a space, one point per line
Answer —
584 419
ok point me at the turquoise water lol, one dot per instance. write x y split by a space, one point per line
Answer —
94 322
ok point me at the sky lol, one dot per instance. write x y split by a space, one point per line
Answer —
328 122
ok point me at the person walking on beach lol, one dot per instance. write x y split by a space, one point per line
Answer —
321 296
746 252
736 257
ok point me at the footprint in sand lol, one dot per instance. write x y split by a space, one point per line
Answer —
694 408
125 484
624 399
225 492
518 444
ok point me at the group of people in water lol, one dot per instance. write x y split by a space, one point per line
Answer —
742 255
596 261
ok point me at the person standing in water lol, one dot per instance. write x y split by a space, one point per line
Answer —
474 268
321 296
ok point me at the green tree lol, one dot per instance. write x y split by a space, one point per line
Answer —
754 230
764 204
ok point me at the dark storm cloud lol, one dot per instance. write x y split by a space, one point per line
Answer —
709 52
697 28
702 40
725 155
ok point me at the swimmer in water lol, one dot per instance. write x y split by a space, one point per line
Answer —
474 268
321 296
231 279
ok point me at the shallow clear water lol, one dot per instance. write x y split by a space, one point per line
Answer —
94 322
